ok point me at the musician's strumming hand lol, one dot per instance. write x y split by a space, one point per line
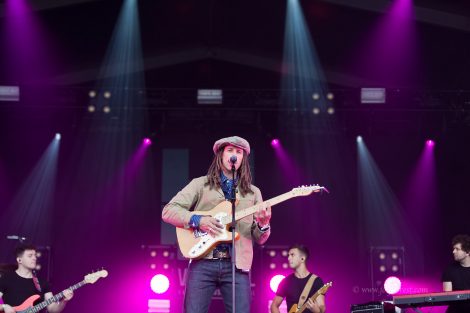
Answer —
313 306
263 217
210 225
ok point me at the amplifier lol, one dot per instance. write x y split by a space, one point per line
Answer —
373 307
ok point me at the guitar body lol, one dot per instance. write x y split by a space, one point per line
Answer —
196 244
28 303
293 309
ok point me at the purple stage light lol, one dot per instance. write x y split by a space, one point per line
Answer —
392 285
275 281
147 141
160 284
275 142
430 143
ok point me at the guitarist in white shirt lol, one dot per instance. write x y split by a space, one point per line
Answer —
291 287
17 286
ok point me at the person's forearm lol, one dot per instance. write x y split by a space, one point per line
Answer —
176 215
275 309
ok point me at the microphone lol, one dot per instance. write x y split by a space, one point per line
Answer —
15 237
233 159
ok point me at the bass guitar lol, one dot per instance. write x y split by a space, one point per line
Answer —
28 305
321 291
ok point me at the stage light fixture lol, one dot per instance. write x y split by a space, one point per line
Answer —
373 95
275 281
385 262
159 283
9 93
209 96
392 285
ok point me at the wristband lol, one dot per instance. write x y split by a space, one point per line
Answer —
264 228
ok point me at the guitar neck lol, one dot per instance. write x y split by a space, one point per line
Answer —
263 205
304 306
55 298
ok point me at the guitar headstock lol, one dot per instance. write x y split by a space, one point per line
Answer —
93 277
307 190
325 288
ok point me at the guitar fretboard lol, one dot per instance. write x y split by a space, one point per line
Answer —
273 201
55 298
260 206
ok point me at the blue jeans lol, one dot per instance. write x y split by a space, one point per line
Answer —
205 276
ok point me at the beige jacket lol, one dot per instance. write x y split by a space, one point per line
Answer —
198 195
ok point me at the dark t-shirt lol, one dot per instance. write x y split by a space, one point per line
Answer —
16 289
291 288
460 278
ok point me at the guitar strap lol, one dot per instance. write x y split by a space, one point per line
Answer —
36 282
306 291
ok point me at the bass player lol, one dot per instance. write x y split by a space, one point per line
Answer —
17 286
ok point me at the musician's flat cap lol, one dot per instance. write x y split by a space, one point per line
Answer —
236 141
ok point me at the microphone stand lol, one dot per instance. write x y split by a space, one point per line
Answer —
233 225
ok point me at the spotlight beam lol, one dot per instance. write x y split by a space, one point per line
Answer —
196 54
427 15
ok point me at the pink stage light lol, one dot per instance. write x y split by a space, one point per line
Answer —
147 141
160 284
275 142
430 143
392 285
275 281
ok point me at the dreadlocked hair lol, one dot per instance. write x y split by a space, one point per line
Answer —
243 173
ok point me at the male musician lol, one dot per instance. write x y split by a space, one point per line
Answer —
457 275
293 285
17 286
214 270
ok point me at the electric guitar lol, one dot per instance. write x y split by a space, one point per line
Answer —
320 291
28 305
195 244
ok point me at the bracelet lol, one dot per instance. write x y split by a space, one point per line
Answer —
263 228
